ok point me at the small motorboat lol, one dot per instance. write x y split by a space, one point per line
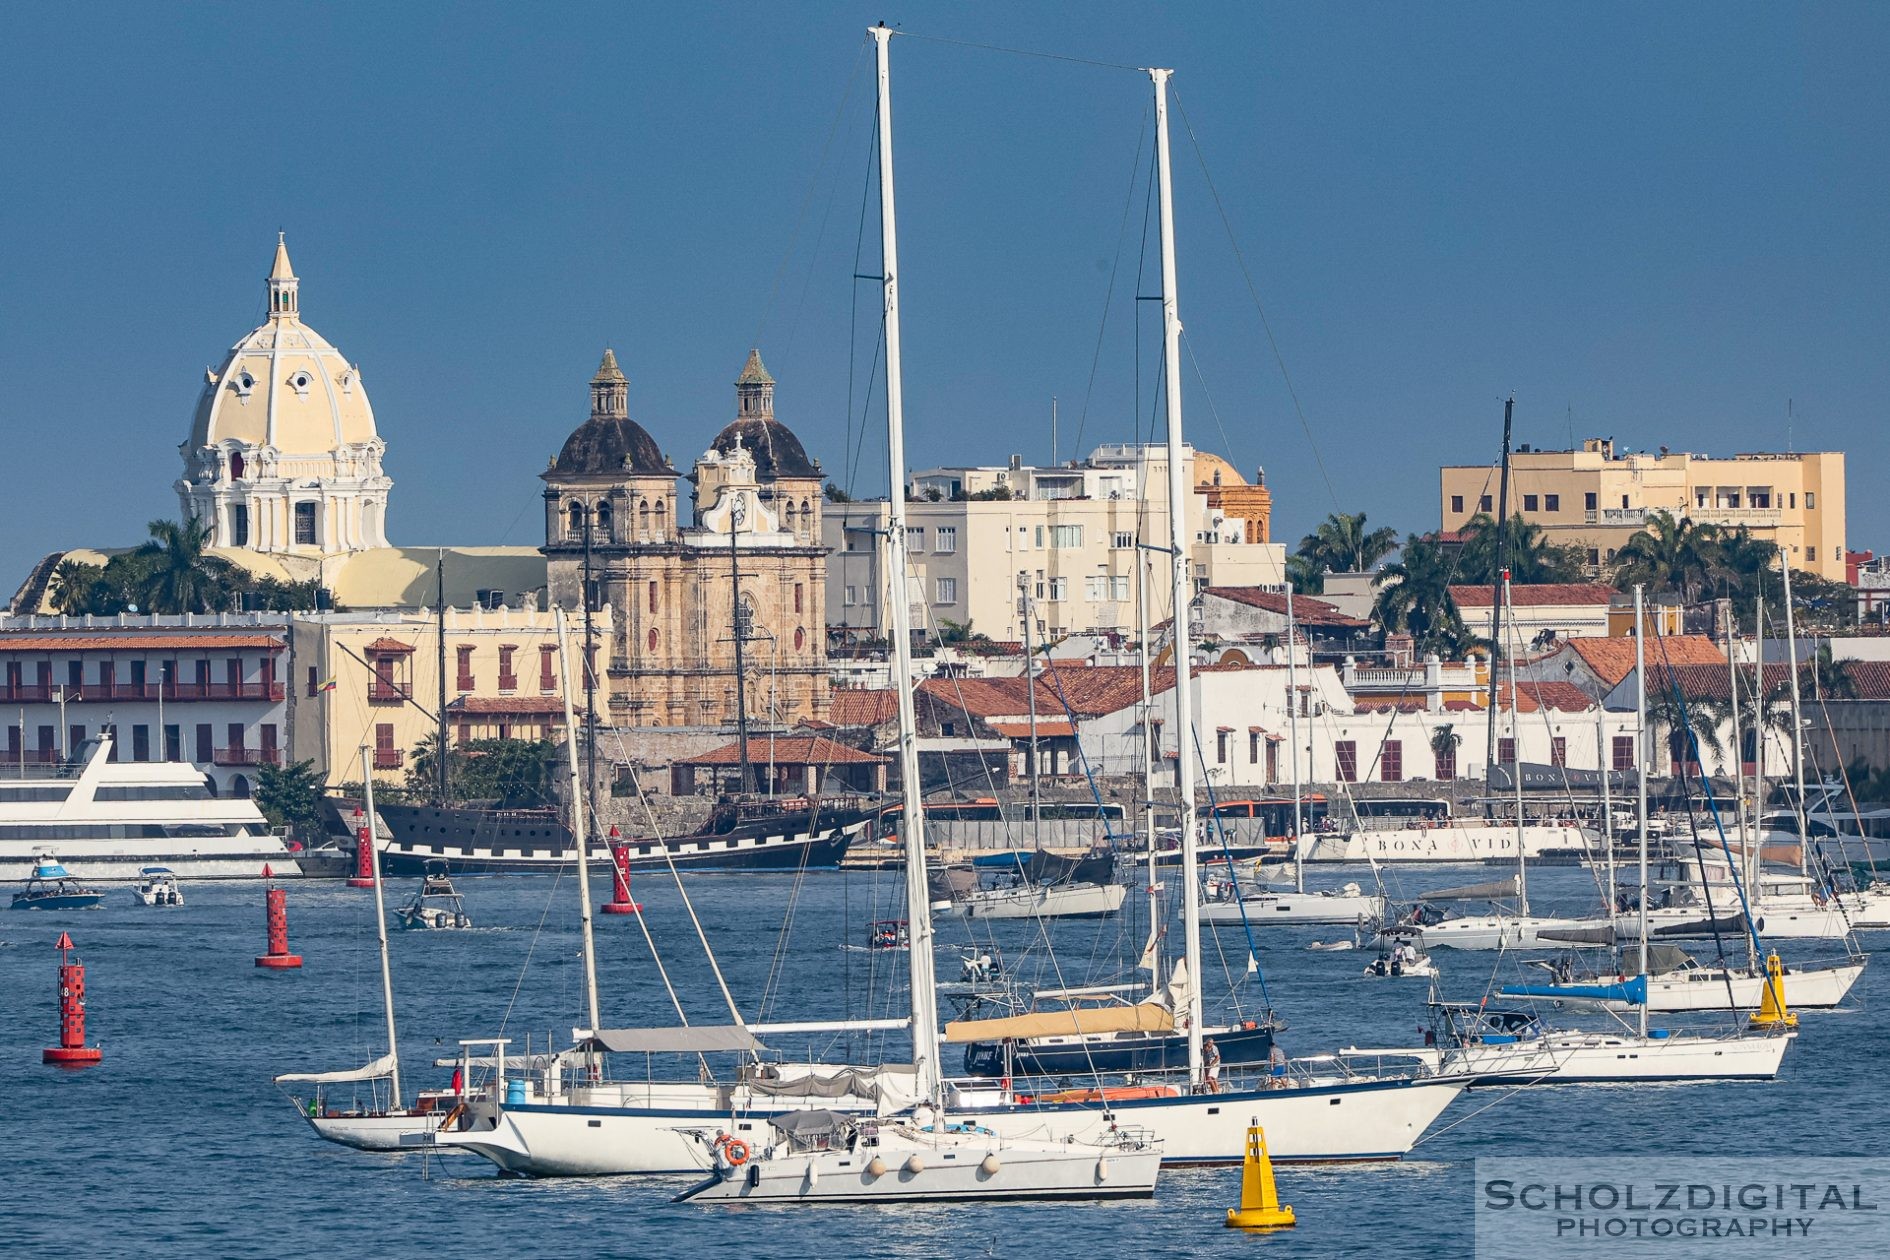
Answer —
980 974
889 934
437 905
52 887
1403 959
157 886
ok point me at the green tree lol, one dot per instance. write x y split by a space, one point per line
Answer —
836 495
1445 742
1414 598
1342 544
959 633
1521 547
77 587
178 574
514 772
1673 712
1306 576
1824 677
290 796
1669 553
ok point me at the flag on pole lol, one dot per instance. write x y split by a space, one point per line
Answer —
327 685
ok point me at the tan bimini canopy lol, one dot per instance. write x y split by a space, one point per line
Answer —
1144 1017
696 1039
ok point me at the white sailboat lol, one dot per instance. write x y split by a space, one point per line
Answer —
382 1122
828 1157
1494 1045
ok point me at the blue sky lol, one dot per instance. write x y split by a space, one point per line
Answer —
1656 222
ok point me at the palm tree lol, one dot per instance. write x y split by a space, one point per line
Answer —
1444 745
1673 711
179 577
1668 554
1414 598
1305 575
1826 678
1342 544
74 584
1521 547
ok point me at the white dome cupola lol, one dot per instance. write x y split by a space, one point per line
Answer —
283 454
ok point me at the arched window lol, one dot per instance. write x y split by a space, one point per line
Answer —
807 517
787 517
662 525
236 465
652 640
603 521
643 520
239 787
800 638
576 514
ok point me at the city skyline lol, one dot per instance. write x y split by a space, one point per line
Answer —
1644 229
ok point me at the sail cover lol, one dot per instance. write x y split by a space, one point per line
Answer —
1144 1017
383 1066
1602 935
699 1039
1494 891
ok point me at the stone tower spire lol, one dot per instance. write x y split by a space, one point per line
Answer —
754 390
283 301
610 390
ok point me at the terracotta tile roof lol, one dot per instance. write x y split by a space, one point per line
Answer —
792 750
1537 595
178 640
1870 678
1612 659
1046 727
1306 609
387 646
1062 690
1563 696
523 705
857 706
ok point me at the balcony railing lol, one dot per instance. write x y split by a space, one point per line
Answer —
37 693
388 758
1617 516
246 756
32 757
380 692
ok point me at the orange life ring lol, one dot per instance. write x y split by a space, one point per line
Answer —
737 1152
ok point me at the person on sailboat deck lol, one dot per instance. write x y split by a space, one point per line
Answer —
1210 1066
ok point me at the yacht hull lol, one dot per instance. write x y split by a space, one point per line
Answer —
1493 931
938 1176
1706 989
1051 901
1455 842
1325 1123
1296 907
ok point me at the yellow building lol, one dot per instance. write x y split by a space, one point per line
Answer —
1594 500
504 680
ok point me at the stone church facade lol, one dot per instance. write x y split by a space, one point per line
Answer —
613 523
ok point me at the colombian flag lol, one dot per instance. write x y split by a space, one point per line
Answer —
328 685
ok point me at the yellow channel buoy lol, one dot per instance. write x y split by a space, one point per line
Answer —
1260 1206
1772 1012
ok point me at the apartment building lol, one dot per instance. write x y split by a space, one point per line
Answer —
982 539
1594 499
373 678
209 690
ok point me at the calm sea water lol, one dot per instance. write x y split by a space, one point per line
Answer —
179 1144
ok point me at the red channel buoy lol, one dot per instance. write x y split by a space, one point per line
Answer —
276 904
363 853
620 901
71 1050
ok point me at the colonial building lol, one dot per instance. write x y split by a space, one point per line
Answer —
613 533
283 455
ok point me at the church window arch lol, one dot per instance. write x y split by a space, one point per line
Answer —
652 640
236 465
662 523
800 638
604 521
643 520
807 517
576 518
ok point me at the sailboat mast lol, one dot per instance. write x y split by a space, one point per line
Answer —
1179 571
925 1064
1640 769
580 830
1604 762
1292 726
1515 739
1496 605
1030 695
1758 734
1738 750
439 747
741 664
1798 721
1150 744
380 927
